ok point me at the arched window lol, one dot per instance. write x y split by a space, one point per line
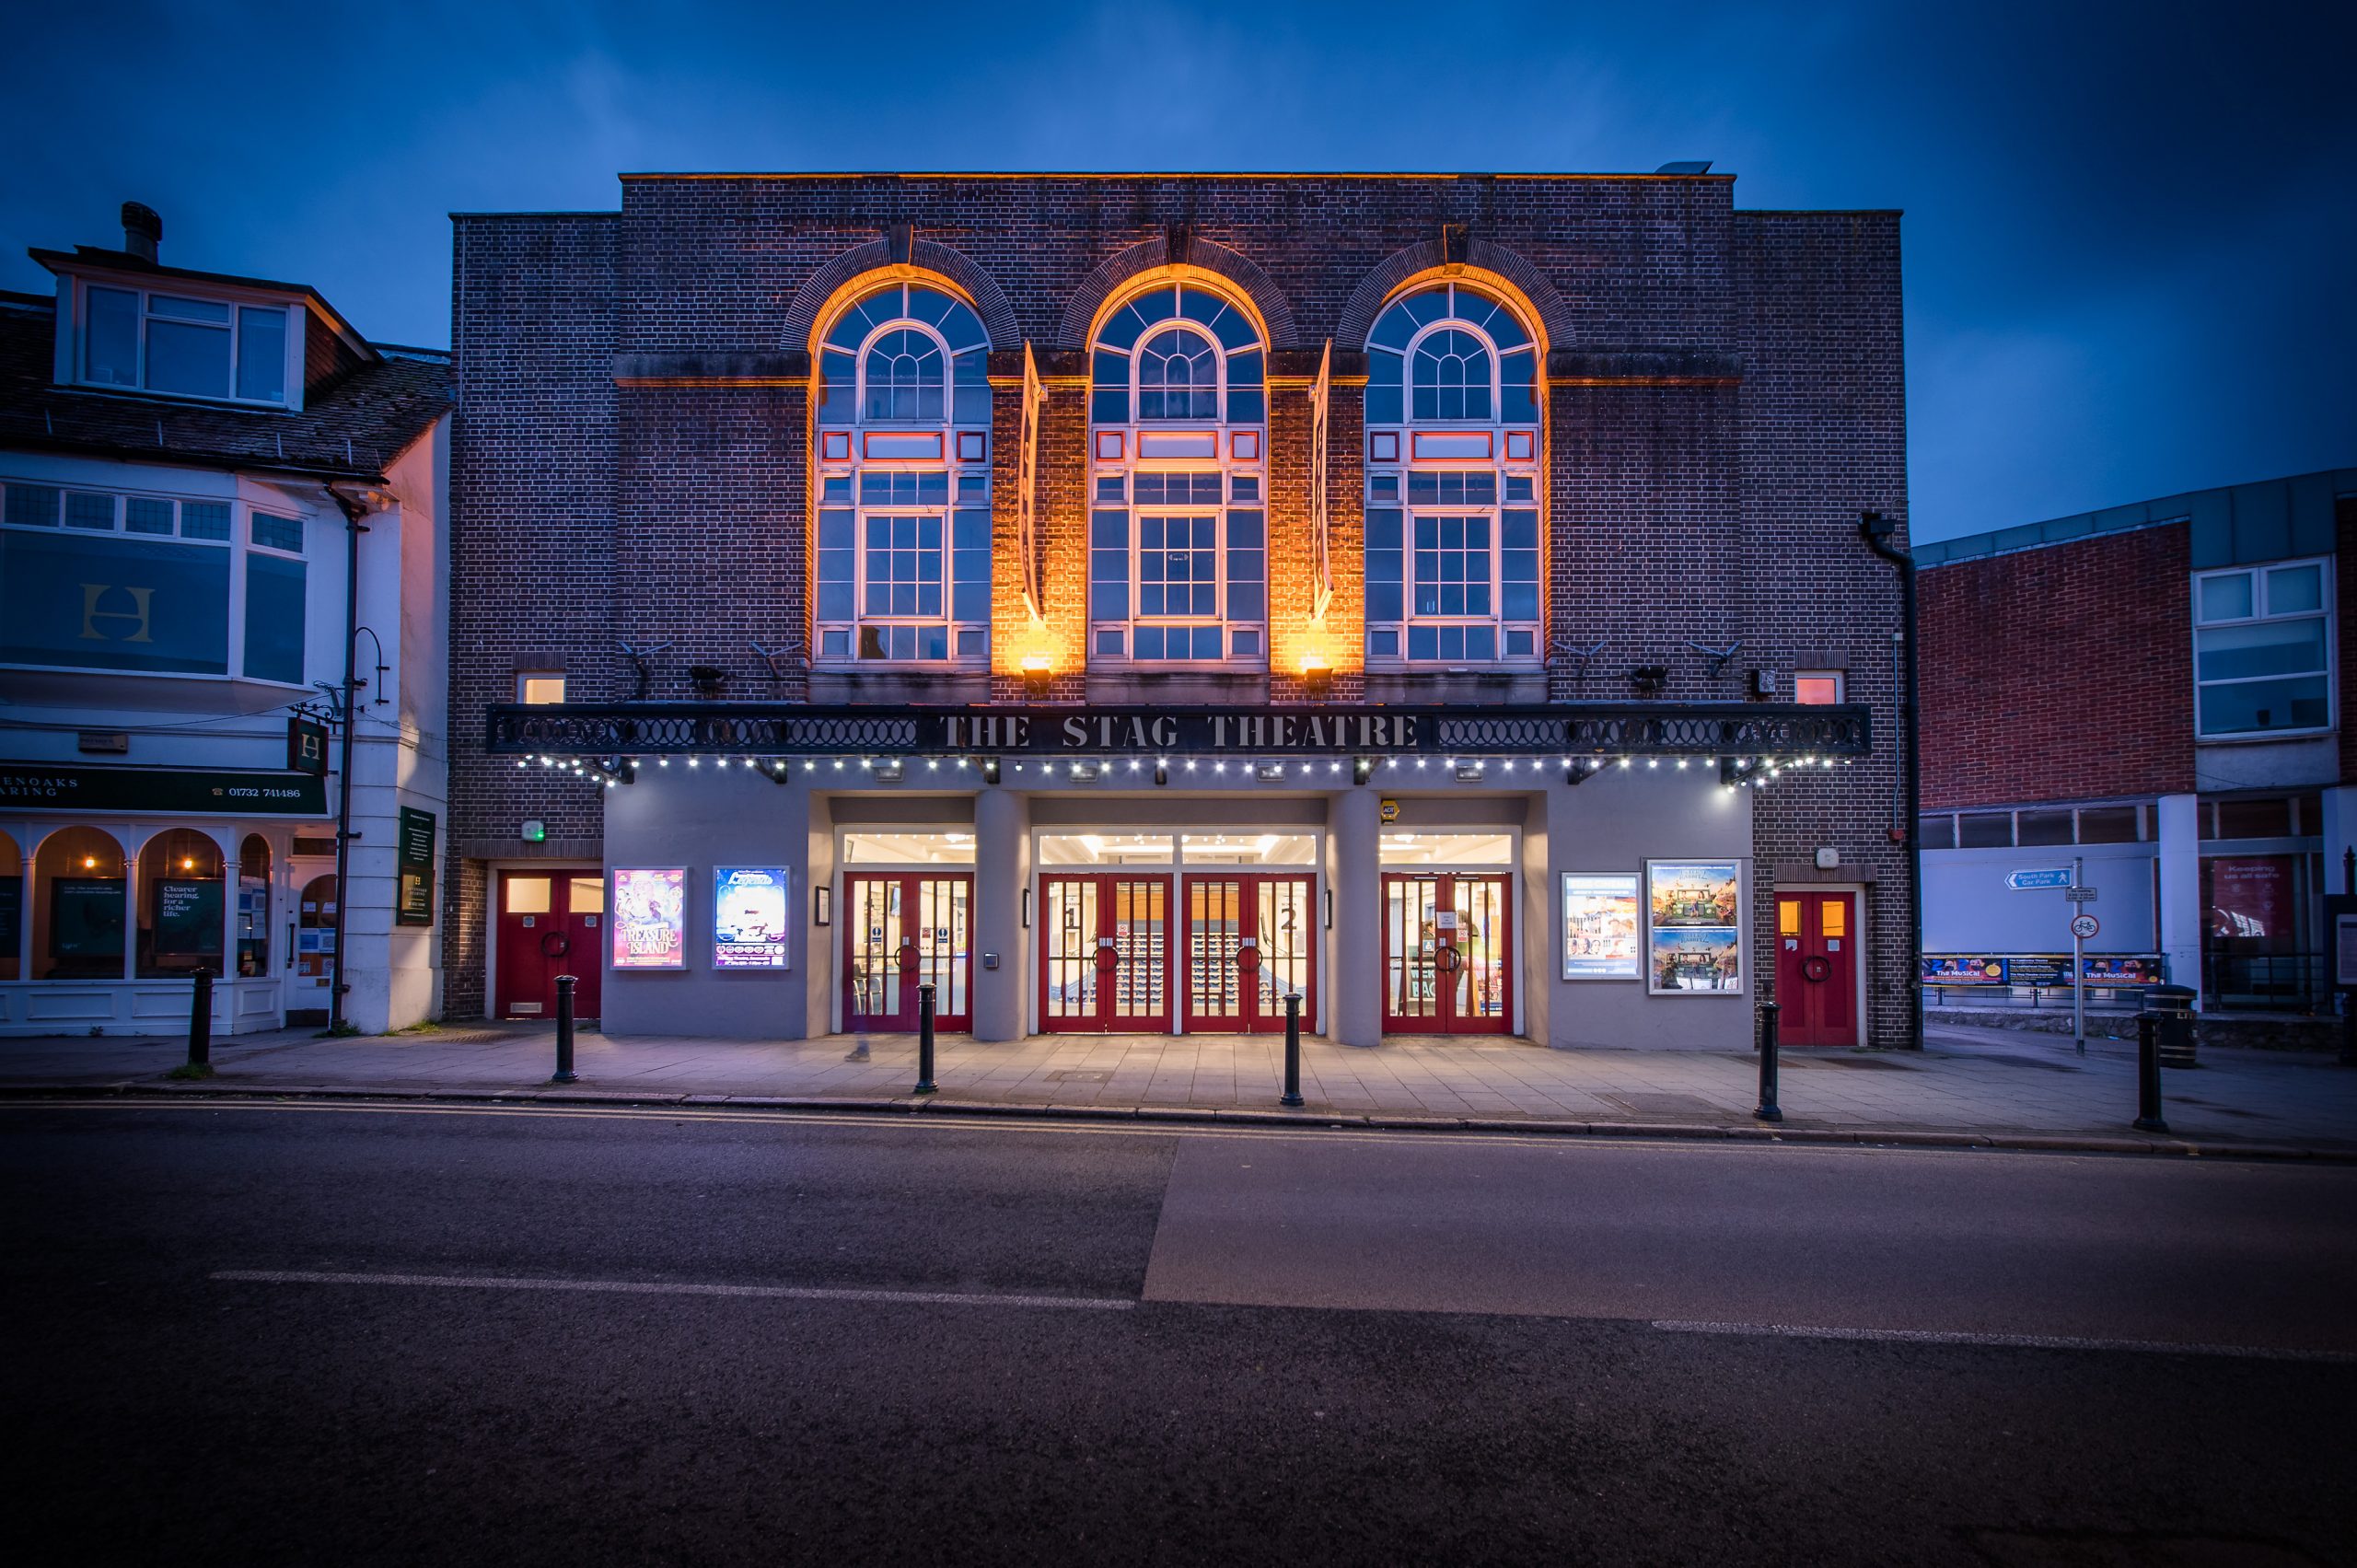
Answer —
254 906
1452 475
79 907
904 482
181 912
1178 532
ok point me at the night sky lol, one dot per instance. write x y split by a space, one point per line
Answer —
2131 233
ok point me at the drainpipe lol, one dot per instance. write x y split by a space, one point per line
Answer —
354 506
1876 530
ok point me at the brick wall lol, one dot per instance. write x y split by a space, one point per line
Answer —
2060 673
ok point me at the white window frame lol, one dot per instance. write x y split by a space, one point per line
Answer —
1389 642
74 352
524 679
239 545
2262 615
853 465
1838 678
1225 462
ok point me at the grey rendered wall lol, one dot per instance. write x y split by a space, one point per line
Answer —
1968 908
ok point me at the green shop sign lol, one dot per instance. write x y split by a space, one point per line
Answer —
66 786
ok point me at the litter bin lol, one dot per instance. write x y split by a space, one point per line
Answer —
2171 1009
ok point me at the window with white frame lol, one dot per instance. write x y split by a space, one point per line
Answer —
183 345
539 689
2262 650
1177 527
904 482
1816 687
1452 476
107 580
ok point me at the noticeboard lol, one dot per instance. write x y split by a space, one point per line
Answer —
413 863
2340 919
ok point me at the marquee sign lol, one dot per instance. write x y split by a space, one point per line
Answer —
1761 730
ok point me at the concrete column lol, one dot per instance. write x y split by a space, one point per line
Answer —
1002 871
2178 837
1355 820
2339 830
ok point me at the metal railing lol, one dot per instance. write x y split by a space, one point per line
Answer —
2265 983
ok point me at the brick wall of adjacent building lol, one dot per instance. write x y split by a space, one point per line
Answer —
1723 395
2060 673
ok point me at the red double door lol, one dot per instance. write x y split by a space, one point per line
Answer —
1124 951
902 929
1817 968
1448 953
550 922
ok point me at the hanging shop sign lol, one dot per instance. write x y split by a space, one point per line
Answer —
748 905
414 855
650 919
1694 927
307 747
70 787
1601 926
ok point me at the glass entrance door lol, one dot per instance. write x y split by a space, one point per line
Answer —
1105 957
900 930
1448 953
1248 940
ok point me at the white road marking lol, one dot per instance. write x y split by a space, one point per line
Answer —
661 1287
2005 1342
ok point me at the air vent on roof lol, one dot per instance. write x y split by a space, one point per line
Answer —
143 229
1696 166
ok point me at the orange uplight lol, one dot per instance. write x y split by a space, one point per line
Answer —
1036 663
1313 664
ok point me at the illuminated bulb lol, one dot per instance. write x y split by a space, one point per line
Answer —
1682 762
808 766
662 761
838 764
89 863
692 763
720 761
1652 761
1624 762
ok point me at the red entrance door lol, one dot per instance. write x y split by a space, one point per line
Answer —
1251 938
1817 968
1105 956
1448 953
900 930
550 922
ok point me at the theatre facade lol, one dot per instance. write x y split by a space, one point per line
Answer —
1131 603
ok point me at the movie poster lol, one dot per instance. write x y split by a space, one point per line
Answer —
749 917
650 919
1600 926
1694 927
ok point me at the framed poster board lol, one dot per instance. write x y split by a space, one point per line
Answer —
1603 926
413 860
748 906
649 922
187 919
1694 927
85 917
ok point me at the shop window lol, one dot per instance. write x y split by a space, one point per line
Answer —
2042 827
2263 818
2262 650
221 350
80 906
1107 849
1937 832
888 847
93 579
1453 545
904 519
254 906
1816 687
2109 824
539 689
181 909
1177 539
12 904
1446 849
1985 830
315 928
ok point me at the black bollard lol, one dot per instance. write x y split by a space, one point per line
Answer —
1769 1109
2148 1075
565 1075
1293 1050
200 1020
924 1038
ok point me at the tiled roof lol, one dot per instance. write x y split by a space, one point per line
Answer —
351 427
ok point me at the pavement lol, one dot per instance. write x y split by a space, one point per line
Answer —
1990 1086
257 1330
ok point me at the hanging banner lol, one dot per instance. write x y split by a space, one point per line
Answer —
1321 394
748 905
1027 484
650 919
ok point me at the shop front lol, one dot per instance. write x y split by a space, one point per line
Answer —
1598 900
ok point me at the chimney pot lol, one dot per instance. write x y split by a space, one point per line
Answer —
143 227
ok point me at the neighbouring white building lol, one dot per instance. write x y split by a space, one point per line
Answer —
190 463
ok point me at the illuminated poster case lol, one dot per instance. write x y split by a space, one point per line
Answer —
1603 926
748 905
1694 927
650 919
